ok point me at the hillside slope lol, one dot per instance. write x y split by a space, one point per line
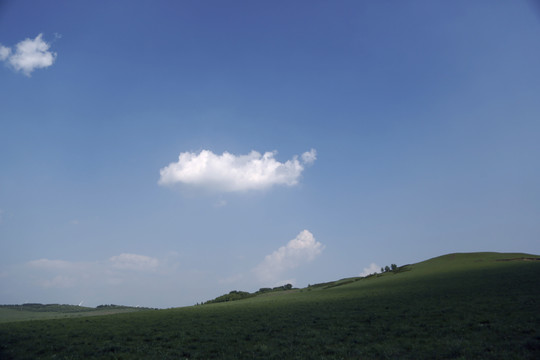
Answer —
457 306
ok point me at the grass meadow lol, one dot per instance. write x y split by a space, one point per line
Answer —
458 306
10 313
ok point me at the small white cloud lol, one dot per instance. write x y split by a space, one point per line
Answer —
29 55
134 262
371 269
300 250
309 157
230 173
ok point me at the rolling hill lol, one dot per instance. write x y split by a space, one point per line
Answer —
456 306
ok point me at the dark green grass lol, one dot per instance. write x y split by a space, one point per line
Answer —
461 306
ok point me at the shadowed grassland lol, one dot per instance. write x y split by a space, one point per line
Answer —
459 306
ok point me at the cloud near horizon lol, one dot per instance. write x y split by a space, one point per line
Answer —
371 269
62 274
29 55
126 278
232 173
300 250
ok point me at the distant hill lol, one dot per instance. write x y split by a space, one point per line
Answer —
36 311
456 306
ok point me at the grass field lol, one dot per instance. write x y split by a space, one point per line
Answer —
10 313
458 306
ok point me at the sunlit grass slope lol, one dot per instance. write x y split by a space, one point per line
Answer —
457 306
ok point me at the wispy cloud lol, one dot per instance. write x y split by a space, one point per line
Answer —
53 264
220 203
125 278
62 273
371 269
134 262
229 173
59 281
300 250
29 55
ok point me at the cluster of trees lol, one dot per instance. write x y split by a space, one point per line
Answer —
387 268
277 288
239 295
113 306
232 296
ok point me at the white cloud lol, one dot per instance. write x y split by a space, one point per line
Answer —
300 250
309 157
52 264
29 55
4 52
228 172
134 262
371 269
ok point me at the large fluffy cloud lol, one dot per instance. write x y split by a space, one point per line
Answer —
29 54
300 250
229 173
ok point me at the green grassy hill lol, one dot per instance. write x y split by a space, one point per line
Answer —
457 306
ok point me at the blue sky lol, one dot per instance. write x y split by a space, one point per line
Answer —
163 153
